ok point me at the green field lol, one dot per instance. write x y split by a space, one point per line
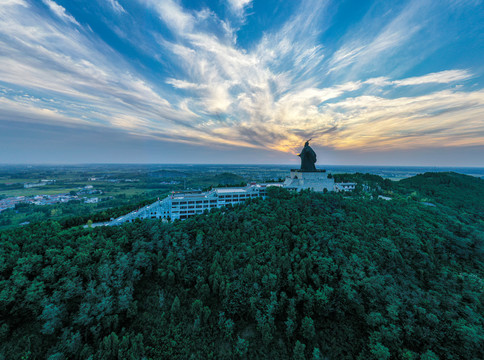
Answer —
43 190
17 180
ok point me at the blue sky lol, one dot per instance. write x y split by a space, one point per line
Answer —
242 81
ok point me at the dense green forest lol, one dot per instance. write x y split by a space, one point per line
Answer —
295 276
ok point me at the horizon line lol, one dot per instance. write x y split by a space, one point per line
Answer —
237 164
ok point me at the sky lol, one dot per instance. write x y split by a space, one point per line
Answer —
242 81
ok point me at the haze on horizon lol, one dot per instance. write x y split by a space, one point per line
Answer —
242 81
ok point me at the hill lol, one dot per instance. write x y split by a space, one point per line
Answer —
458 191
297 276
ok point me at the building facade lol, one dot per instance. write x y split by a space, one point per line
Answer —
317 180
345 187
183 205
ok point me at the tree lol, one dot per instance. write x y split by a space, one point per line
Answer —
429 355
175 307
307 328
241 347
317 354
379 351
299 349
52 315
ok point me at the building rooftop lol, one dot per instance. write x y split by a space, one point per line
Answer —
190 196
230 190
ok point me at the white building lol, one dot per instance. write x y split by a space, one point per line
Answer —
338 187
183 205
31 185
384 197
314 180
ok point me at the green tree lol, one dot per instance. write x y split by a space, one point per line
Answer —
299 349
241 347
307 328
379 351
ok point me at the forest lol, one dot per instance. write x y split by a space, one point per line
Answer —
295 276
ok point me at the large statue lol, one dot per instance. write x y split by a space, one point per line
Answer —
308 158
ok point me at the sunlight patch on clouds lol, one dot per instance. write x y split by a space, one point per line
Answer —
444 118
129 122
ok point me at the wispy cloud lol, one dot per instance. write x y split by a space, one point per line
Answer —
171 12
117 7
60 11
274 96
239 7
239 89
363 49
444 118
442 77
14 2
85 73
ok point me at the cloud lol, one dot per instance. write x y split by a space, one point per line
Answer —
28 111
88 81
241 87
458 3
14 2
443 77
173 15
117 7
60 11
379 39
232 90
443 118
274 95
207 89
238 7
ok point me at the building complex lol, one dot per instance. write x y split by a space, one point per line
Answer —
317 180
183 205
186 204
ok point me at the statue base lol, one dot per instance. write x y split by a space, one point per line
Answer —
314 180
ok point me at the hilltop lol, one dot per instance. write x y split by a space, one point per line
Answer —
455 190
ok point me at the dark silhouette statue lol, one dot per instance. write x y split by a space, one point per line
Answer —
308 158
